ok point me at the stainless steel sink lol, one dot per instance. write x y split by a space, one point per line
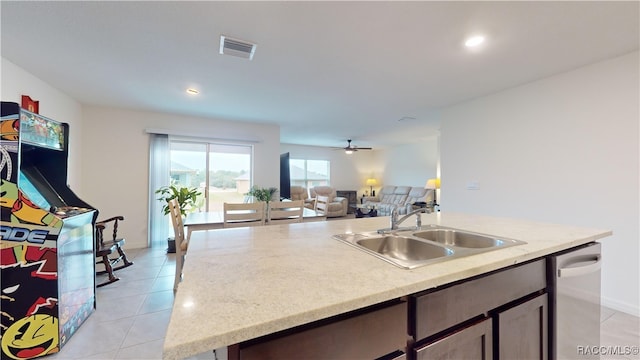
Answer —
404 249
409 249
460 238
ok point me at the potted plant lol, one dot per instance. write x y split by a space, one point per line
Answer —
187 197
262 194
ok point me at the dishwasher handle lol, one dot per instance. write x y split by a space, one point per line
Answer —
593 265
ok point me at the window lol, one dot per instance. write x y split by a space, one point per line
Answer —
309 173
222 172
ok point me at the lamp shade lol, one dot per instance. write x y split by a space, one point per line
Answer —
433 184
371 182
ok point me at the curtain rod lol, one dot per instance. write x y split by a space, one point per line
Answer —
201 136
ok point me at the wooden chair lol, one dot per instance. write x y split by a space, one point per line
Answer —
238 215
181 242
322 204
106 247
285 212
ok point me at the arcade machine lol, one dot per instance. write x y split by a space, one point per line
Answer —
47 261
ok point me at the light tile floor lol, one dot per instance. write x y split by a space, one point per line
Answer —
133 314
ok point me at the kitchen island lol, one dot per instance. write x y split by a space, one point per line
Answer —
244 283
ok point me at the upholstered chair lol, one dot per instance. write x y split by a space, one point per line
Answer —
337 206
301 193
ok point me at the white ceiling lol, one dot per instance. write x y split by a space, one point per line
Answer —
324 71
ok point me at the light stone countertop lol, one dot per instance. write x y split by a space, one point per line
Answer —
242 283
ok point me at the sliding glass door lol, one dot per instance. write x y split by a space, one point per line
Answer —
222 172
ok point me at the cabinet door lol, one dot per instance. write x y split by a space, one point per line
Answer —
471 343
523 331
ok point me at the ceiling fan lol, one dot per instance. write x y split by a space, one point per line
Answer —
349 149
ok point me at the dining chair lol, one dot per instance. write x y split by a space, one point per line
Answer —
244 214
181 243
322 204
285 212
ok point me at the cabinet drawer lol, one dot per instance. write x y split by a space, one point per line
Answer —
441 309
363 336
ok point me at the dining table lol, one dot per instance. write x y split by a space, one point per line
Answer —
207 220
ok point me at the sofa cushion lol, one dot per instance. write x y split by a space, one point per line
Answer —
416 194
322 190
419 194
398 196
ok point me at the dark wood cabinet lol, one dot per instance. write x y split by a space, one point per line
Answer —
351 197
441 309
363 335
473 342
497 316
523 330
507 309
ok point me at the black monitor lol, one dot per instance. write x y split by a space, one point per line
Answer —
285 177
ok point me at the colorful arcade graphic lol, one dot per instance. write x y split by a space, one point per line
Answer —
47 264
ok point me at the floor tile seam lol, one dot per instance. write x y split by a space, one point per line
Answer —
153 312
608 317
115 348
130 346
124 338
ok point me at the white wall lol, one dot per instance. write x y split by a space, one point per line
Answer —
563 149
52 104
116 158
410 164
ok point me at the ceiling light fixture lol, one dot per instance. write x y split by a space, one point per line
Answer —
192 91
474 41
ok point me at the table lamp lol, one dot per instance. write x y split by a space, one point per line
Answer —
433 184
371 182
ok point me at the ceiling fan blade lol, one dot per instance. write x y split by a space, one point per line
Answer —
351 148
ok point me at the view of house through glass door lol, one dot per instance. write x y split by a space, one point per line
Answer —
221 172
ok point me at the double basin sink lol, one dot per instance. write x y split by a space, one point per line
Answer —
410 249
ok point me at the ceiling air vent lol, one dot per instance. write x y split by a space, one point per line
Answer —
235 47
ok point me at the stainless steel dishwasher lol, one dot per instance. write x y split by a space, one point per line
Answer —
576 314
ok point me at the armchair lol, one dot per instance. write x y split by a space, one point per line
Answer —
301 193
337 205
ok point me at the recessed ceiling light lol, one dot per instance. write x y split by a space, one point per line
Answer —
192 91
474 41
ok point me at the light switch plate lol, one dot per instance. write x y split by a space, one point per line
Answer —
473 185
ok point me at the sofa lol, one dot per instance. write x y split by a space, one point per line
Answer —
338 205
398 197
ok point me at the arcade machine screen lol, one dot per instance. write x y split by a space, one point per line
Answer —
42 194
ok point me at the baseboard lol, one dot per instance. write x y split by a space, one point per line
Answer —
621 306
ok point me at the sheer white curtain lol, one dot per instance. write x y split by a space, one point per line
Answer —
159 165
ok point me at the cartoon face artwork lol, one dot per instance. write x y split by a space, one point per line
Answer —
30 337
